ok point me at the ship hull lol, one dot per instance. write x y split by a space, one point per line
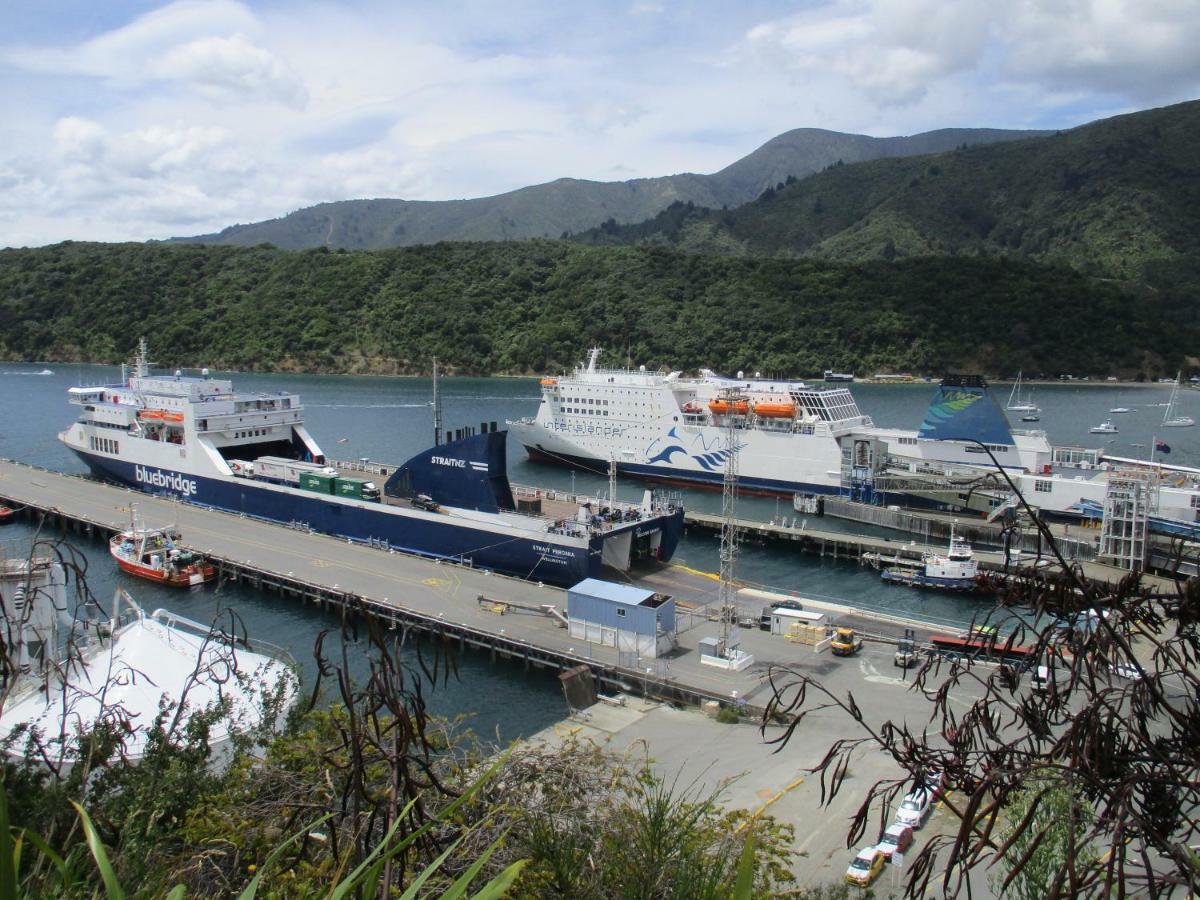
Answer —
158 576
537 558
714 480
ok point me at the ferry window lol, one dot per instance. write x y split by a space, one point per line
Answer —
1195 501
1044 487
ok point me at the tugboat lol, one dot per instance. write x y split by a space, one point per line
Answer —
151 553
957 570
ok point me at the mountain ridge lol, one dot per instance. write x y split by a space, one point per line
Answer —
571 205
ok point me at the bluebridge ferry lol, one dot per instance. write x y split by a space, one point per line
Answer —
200 441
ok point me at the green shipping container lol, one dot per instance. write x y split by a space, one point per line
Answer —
354 487
313 481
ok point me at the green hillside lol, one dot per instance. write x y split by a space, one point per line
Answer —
1118 198
534 306
570 204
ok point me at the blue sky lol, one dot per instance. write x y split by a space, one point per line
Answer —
132 121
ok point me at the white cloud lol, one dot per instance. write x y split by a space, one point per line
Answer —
197 45
197 115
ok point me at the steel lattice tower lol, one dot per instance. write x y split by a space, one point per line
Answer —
728 590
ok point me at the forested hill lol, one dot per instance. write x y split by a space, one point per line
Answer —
571 204
1118 198
535 306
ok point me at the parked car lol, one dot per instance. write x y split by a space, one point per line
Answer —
915 808
935 782
897 839
866 867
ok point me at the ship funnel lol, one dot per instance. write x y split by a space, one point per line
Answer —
964 410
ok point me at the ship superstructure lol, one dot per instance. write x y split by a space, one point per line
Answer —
671 428
200 440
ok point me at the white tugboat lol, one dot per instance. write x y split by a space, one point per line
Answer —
956 570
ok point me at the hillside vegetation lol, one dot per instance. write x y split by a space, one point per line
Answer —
1118 198
571 204
534 306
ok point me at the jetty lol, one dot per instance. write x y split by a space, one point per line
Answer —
522 621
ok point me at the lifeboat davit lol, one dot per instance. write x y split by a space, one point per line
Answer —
737 407
775 410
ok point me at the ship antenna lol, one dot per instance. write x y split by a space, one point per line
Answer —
612 480
437 407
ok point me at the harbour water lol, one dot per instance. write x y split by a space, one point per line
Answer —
389 419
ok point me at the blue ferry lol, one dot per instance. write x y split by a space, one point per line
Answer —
196 439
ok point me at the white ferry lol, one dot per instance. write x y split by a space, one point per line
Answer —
199 440
794 438
790 436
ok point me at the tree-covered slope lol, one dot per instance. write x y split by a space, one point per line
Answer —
570 204
1119 198
534 306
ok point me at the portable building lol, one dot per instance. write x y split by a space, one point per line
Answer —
632 619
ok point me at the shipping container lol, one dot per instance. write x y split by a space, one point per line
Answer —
315 481
357 489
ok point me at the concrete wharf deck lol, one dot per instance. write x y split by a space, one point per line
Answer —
419 595
439 599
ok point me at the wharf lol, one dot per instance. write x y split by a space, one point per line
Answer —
424 596
441 599
842 545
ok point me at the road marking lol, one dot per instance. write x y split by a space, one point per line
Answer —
871 674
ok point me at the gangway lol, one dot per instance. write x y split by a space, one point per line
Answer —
501 607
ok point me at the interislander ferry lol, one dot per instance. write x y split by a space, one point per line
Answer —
198 440
789 435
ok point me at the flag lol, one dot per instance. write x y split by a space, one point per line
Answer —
1161 446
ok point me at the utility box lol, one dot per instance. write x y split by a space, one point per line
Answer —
315 481
632 619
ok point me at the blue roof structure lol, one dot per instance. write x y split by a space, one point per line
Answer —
617 593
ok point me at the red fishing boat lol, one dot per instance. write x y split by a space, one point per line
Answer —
153 554
7 514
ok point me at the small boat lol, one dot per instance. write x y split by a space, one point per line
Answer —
45 372
151 553
1016 403
1120 409
1172 421
1031 417
956 570
7 514
1105 427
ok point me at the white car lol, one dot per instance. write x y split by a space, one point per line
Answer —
915 808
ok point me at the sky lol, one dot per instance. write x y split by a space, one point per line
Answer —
140 120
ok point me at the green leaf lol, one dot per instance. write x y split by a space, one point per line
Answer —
64 871
8 871
177 893
411 892
743 889
111 885
498 886
459 888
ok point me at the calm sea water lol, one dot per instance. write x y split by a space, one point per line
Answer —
389 419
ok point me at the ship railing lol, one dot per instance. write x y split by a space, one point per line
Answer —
366 466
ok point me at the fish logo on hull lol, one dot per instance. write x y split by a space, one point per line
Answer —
171 481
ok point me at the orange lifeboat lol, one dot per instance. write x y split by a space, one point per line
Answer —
150 414
737 407
776 410
172 417
549 382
